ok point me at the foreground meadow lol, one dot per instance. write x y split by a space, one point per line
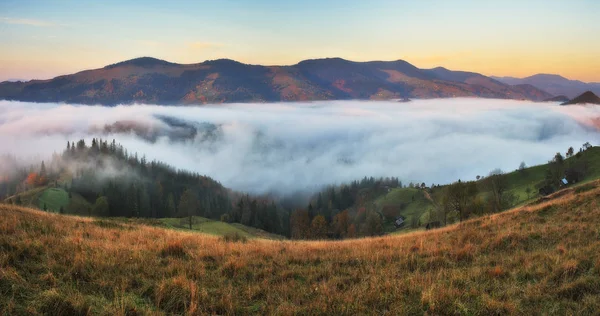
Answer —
539 259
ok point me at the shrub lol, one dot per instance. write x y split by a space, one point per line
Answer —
225 218
53 303
174 295
234 237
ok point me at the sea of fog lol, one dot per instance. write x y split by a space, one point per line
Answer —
285 147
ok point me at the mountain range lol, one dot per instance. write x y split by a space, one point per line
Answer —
554 84
151 80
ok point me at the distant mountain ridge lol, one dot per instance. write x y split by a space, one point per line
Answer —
558 98
587 97
554 84
151 80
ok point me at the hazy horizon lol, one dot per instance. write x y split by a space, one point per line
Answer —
285 147
275 65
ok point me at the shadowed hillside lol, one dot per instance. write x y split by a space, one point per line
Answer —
542 258
150 80
587 97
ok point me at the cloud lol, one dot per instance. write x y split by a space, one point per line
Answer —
29 22
203 45
286 147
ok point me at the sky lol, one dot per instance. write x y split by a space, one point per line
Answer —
45 38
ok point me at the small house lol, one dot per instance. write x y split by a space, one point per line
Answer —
399 222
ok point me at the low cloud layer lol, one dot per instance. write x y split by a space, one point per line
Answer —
298 146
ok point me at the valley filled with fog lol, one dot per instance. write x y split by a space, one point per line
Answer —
287 147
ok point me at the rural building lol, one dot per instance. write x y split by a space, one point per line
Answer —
399 222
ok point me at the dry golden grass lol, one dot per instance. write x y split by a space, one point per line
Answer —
539 259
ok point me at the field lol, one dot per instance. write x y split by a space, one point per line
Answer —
218 228
539 259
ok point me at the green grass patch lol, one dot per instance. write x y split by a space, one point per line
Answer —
78 205
53 199
205 226
413 202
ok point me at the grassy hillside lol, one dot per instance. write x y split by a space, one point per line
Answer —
413 201
539 259
53 199
217 228
530 177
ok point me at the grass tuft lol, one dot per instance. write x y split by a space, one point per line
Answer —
234 237
174 249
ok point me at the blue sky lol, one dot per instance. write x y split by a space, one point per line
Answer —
41 39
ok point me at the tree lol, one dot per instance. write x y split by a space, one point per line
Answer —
101 208
459 198
320 202
570 152
43 170
341 222
32 179
188 205
522 167
414 222
61 210
81 145
528 190
225 218
171 208
558 158
300 224
373 224
45 208
497 183
391 211
587 146
351 231
318 227
555 172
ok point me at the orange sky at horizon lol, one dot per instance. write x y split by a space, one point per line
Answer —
584 68
41 39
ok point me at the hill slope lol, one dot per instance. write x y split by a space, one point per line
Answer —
150 80
587 97
554 84
543 258
558 98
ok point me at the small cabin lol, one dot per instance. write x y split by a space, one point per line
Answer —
399 222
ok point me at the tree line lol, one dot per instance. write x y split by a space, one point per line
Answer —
118 183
